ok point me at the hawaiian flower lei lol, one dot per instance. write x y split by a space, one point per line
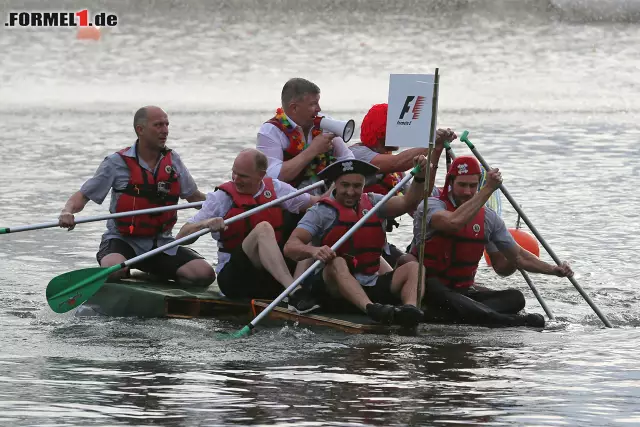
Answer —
319 162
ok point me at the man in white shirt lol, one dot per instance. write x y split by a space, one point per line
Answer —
297 150
250 260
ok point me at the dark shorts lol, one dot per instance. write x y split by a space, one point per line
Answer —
239 278
161 265
380 292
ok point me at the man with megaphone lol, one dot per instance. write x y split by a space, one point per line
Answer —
297 141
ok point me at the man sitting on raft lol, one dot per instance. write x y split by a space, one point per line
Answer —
351 272
459 227
145 175
250 261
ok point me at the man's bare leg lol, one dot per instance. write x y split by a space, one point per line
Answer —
337 275
405 283
302 266
262 249
115 259
197 272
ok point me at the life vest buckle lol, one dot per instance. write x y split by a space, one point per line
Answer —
163 189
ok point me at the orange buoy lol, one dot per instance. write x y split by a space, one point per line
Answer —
524 239
88 33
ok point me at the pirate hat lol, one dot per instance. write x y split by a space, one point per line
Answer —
345 167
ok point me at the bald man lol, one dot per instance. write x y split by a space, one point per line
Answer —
146 174
250 260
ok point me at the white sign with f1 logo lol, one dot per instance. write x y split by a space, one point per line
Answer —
410 107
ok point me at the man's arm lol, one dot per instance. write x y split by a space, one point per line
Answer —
291 168
340 150
95 188
525 260
298 248
213 224
211 215
314 223
500 264
401 162
399 205
75 204
452 222
198 196
273 149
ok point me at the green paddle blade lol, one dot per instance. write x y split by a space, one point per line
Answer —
238 334
71 289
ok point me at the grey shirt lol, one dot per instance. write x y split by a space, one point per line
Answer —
495 231
320 219
113 174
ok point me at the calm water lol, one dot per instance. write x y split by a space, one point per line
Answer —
550 96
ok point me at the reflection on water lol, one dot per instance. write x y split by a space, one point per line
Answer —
547 98
444 376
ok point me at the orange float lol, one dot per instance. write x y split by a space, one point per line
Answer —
524 239
88 33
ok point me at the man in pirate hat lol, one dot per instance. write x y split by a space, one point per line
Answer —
373 149
459 227
351 272
250 261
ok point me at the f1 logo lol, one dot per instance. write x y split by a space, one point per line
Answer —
417 106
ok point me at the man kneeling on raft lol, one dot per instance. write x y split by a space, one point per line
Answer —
459 227
352 271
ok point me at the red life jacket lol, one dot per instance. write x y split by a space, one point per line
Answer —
297 145
362 251
453 258
147 190
385 183
237 231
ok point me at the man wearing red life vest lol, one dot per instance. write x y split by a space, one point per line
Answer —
250 260
459 226
391 167
352 272
145 175
298 150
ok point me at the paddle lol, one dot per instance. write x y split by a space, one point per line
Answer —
51 224
71 289
247 329
527 279
465 138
